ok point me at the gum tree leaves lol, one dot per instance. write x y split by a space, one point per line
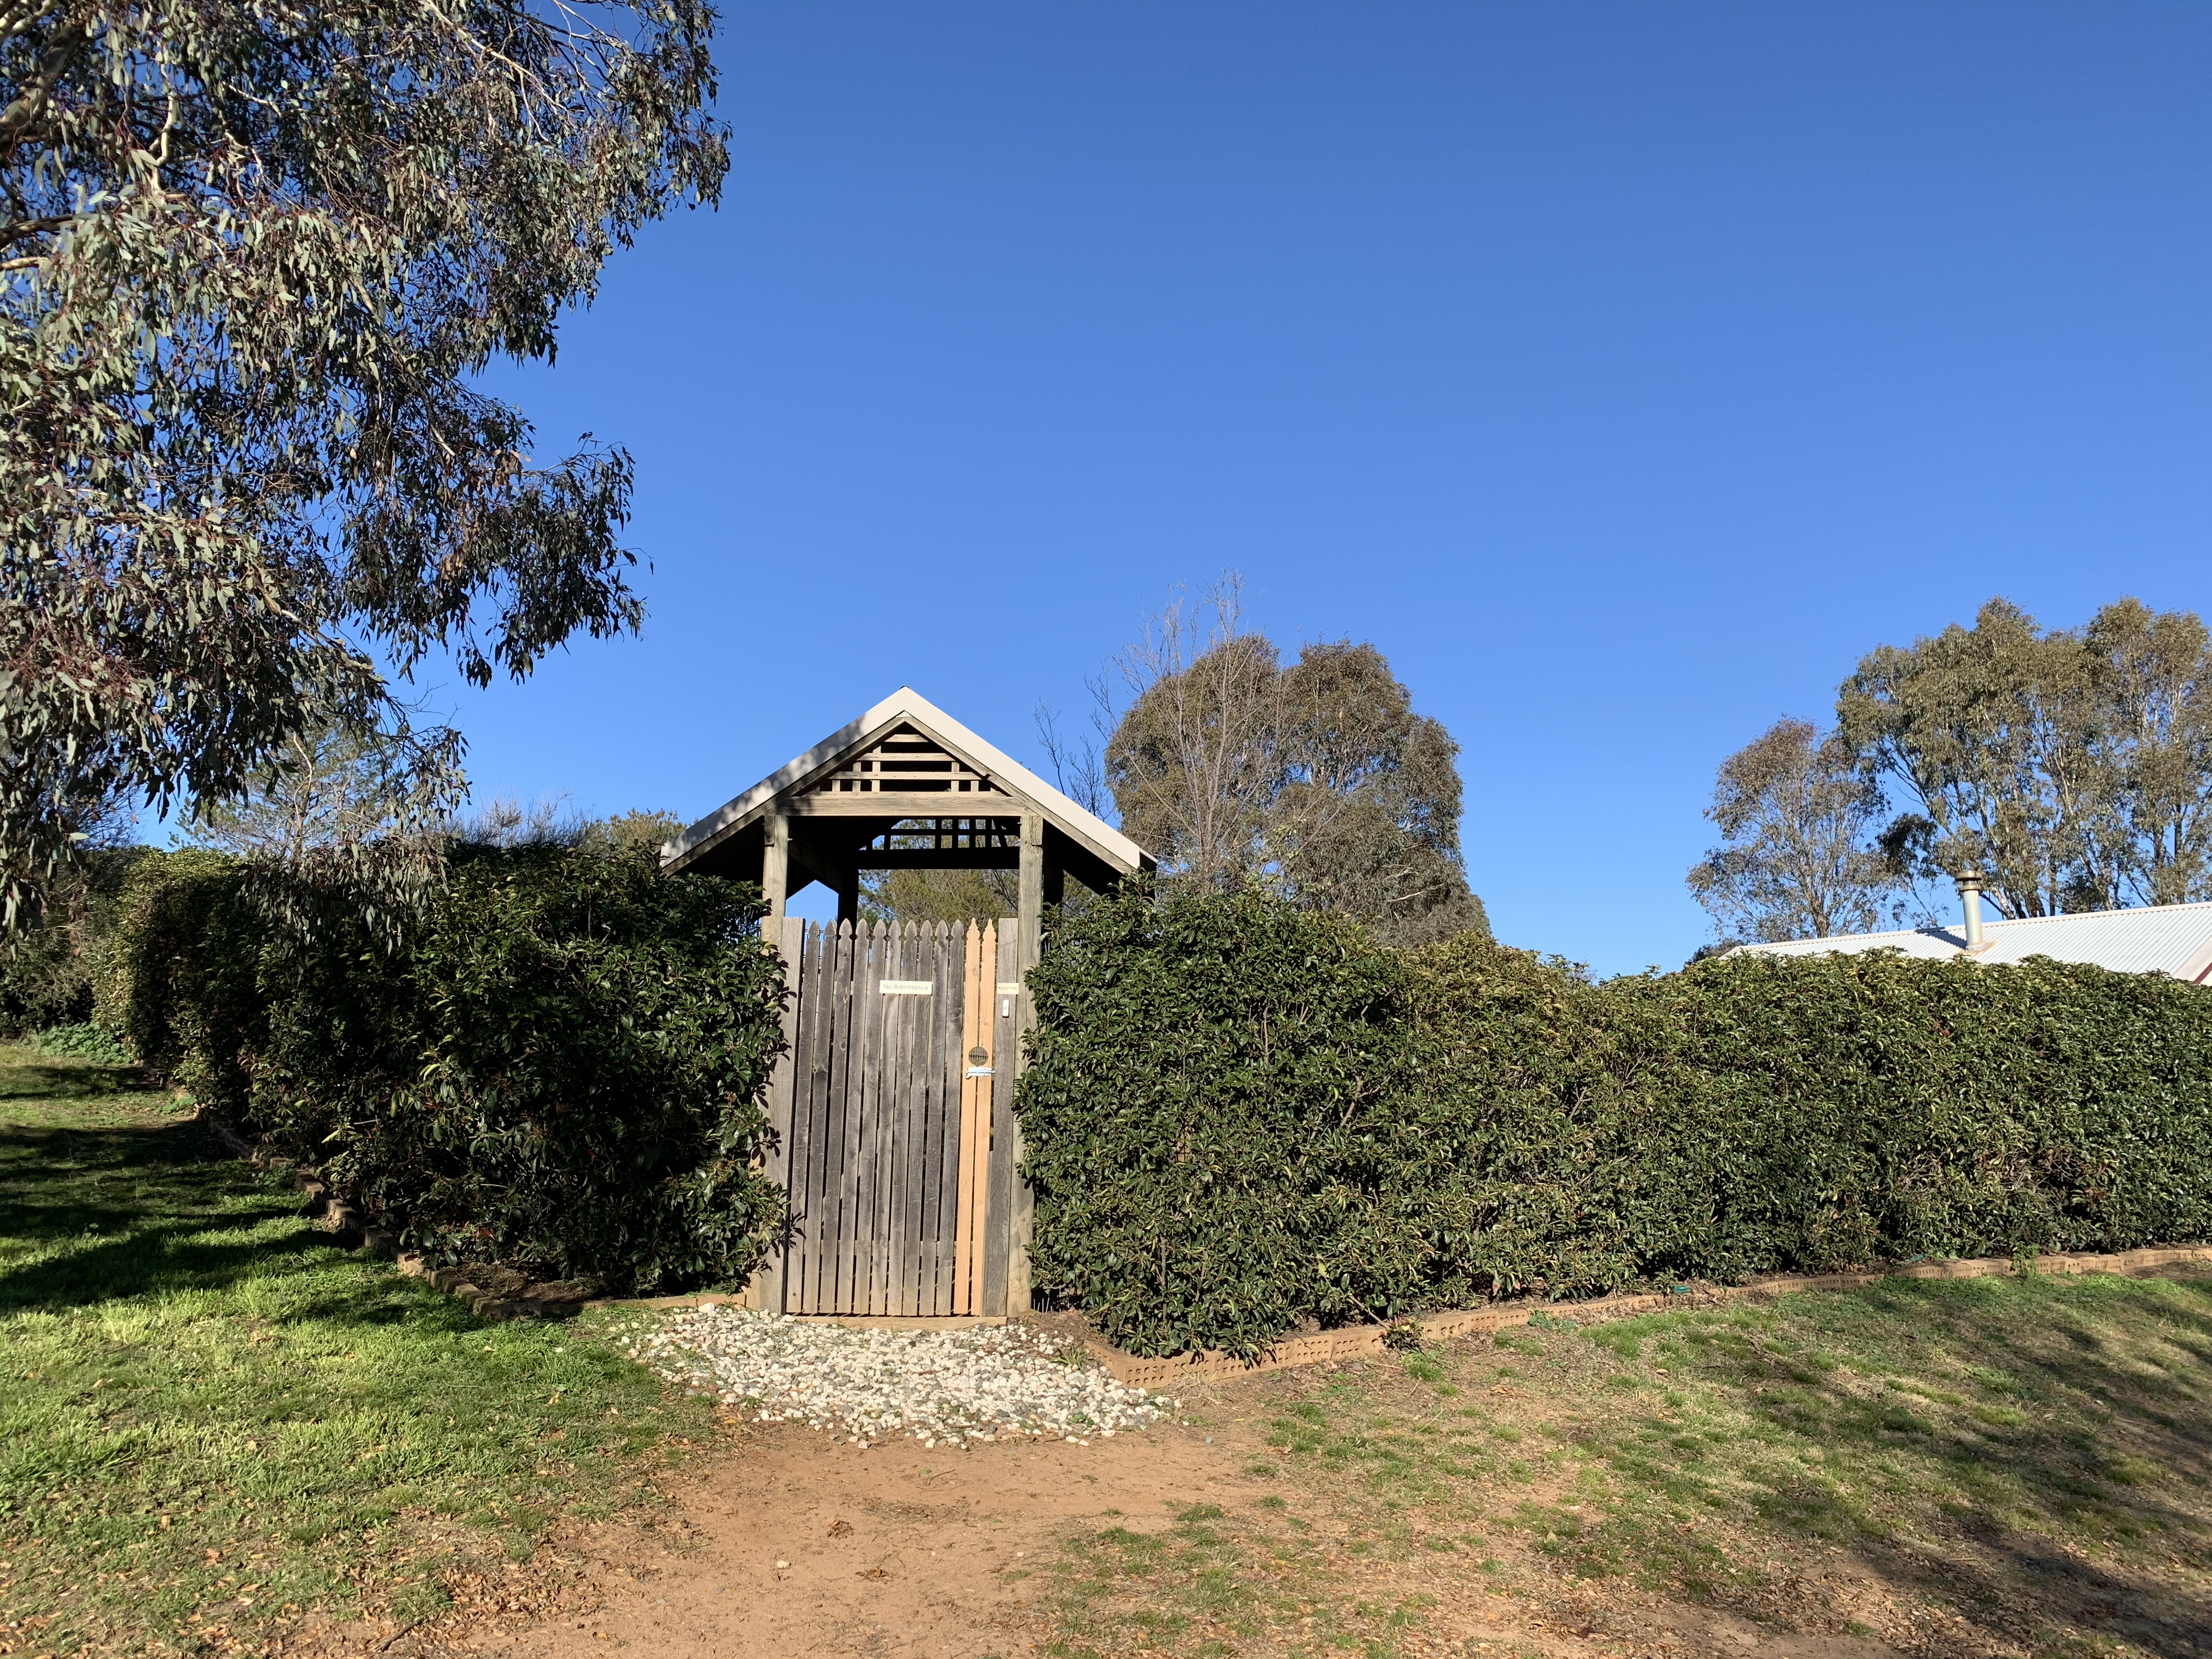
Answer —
250 258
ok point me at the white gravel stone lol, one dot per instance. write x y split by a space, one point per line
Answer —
944 1389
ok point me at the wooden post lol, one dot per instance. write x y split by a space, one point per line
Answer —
848 894
1029 915
786 938
1028 947
775 866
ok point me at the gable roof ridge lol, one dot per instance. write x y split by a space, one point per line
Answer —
907 704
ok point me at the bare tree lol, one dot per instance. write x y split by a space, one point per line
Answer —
1191 764
1797 860
1078 762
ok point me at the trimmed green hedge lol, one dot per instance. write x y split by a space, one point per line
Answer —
1239 1118
1208 1119
562 1069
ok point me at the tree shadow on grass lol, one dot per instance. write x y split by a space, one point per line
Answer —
63 1181
2018 1420
148 1209
78 1080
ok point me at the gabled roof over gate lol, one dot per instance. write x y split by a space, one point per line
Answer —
905 758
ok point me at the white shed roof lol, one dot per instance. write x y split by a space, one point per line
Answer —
2165 938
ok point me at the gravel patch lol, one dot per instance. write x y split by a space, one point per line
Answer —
944 1389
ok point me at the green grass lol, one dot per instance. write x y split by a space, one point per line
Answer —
216 1424
1216 1582
1980 1466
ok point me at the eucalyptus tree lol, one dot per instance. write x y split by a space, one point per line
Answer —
1982 730
2151 753
1798 857
253 258
2074 766
1314 779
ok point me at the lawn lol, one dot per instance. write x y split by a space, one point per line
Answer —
217 1426
1982 1466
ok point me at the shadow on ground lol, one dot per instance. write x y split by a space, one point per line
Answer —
2035 1456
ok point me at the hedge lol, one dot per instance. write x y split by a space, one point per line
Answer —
560 1068
1239 1118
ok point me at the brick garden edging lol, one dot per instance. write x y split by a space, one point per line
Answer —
1321 1346
524 1299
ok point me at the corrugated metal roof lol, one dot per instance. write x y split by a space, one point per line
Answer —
2166 938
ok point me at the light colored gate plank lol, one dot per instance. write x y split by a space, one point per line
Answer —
1021 1202
972 1031
979 1162
963 1200
910 1114
998 1184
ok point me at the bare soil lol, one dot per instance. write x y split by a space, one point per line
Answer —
791 1545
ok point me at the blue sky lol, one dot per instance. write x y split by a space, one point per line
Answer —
1623 372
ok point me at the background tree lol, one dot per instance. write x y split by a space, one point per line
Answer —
1984 728
1364 820
549 821
252 260
1191 765
637 833
2150 753
1316 780
328 788
938 895
2074 766
1797 860
47 966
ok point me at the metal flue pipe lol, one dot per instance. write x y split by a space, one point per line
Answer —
1970 883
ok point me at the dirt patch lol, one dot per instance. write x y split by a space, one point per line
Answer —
792 1545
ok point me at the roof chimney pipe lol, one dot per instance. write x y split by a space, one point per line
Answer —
1971 882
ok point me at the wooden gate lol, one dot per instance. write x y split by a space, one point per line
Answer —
893 1119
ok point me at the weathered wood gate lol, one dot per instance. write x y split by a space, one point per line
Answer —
892 1114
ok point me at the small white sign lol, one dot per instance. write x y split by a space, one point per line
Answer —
1010 987
906 987
979 1071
